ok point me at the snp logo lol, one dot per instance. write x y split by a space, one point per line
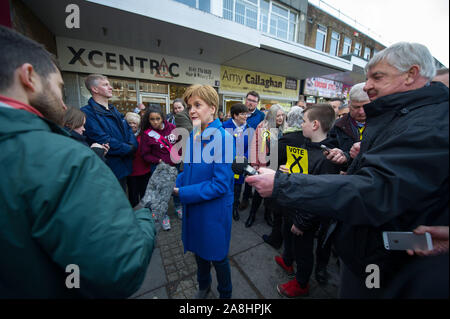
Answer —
73 19
373 280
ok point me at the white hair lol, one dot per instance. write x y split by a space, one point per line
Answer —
295 117
403 55
357 94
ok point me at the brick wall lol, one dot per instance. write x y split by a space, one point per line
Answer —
317 16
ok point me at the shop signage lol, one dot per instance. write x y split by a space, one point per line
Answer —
239 80
323 87
89 57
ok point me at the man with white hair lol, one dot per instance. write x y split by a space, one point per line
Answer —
398 181
349 129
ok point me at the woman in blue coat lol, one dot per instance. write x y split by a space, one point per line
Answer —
206 190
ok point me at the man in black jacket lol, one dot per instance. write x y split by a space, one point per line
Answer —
399 179
348 129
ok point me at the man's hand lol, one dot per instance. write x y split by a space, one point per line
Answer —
296 231
354 151
284 169
439 237
336 156
263 183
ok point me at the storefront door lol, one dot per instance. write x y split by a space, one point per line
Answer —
159 99
228 101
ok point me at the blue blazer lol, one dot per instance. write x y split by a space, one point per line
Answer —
206 192
104 126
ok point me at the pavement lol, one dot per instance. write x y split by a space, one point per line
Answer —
255 275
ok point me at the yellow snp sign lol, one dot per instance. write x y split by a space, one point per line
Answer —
239 80
297 160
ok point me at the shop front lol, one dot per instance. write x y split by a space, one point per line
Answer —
273 89
319 90
136 76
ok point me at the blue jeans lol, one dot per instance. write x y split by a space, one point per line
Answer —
223 272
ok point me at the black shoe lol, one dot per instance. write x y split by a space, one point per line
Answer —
235 214
244 204
250 220
322 276
268 240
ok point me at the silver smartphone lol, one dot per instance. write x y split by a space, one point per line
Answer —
394 240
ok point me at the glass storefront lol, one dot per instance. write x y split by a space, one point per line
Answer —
127 93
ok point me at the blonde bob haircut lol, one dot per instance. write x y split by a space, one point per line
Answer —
205 92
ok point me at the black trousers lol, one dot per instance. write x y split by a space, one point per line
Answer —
299 248
136 187
247 192
323 250
237 194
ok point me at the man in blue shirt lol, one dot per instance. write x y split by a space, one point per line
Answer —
255 117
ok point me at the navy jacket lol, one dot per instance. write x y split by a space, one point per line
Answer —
108 126
255 118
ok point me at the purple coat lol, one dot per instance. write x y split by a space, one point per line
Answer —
152 150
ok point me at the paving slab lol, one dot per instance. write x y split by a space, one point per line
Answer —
155 275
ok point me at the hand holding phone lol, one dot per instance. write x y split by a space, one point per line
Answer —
407 241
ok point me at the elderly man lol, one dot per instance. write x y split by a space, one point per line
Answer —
349 128
104 124
68 230
398 181
336 103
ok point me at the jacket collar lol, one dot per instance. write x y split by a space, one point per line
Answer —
404 102
99 108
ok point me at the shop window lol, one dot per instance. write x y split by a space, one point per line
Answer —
153 87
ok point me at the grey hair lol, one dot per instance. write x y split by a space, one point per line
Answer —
92 80
357 94
403 55
271 117
295 117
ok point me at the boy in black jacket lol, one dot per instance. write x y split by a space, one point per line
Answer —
299 226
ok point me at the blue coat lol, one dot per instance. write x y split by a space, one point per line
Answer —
206 192
104 126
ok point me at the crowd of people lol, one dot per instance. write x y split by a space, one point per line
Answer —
336 173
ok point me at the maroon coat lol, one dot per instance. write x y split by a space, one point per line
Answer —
152 150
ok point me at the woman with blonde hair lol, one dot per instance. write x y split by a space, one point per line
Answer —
205 188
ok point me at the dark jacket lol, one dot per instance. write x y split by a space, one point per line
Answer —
317 165
107 126
398 181
344 134
255 118
82 139
182 120
61 205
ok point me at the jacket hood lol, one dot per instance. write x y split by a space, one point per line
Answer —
13 122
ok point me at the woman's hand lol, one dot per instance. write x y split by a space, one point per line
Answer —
176 191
